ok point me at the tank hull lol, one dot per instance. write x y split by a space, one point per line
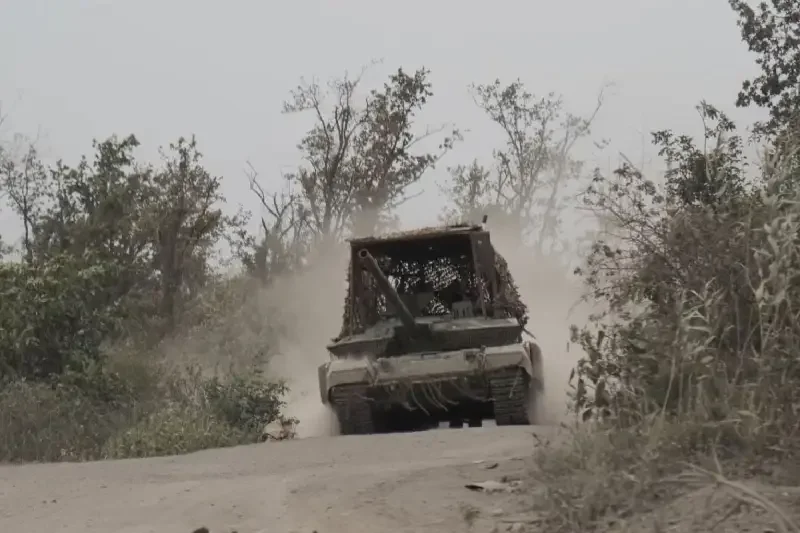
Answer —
421 390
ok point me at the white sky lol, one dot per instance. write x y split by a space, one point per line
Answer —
73 70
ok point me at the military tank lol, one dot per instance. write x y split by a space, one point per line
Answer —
433 331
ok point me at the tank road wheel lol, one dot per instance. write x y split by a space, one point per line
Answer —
510 392
353 409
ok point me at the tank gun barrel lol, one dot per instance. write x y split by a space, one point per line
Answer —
385 287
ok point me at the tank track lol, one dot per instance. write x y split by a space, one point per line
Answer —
510 392
353 409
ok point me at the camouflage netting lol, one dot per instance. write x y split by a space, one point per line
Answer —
508 298
450 277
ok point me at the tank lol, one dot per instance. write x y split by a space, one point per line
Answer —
433 331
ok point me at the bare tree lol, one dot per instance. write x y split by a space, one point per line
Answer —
360 160
469 190
530 183
285 231
23 180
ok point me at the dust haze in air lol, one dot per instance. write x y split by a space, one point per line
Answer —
553 296
309 306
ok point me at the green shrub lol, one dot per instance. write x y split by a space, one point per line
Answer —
701 321
696 359
172 430
54 316
245 403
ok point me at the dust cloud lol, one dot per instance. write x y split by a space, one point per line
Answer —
307 308
552 293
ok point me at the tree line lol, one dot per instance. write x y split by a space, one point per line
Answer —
114 250
123 244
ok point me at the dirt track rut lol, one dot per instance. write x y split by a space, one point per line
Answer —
376 483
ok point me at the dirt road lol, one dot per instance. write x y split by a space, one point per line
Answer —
402 482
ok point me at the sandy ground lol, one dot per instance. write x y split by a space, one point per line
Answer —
376 483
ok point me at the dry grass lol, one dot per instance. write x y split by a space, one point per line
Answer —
608 479
64 422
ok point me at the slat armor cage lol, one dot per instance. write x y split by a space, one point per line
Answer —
431 260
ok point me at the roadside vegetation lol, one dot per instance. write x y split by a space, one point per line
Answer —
690 388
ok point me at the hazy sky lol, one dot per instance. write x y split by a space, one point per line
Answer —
73 70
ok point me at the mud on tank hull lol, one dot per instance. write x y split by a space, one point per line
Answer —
419 391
